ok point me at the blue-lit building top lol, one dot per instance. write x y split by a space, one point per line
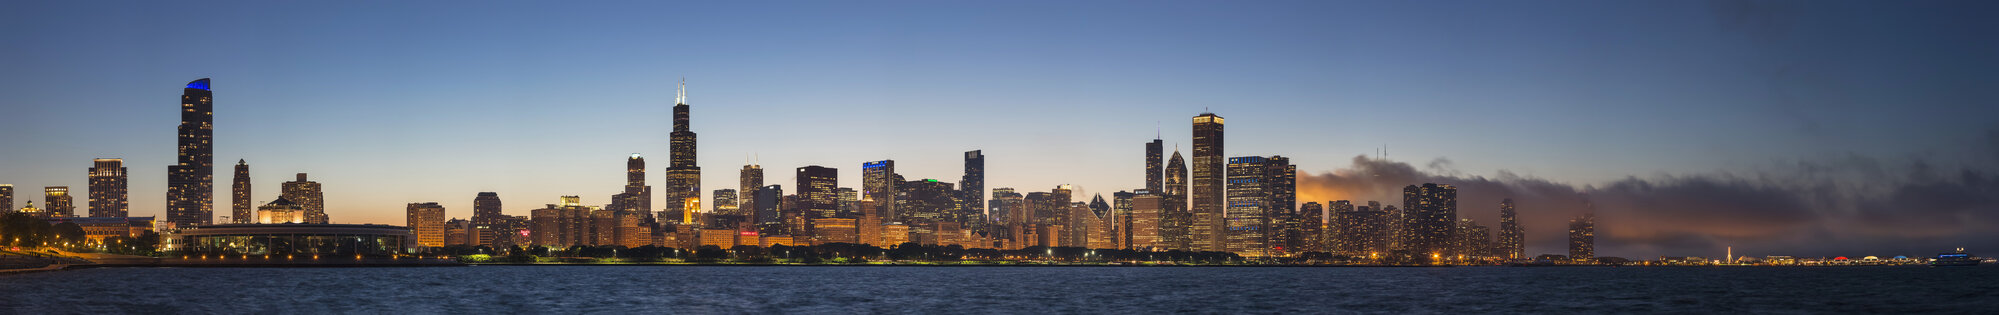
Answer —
199 84
875 164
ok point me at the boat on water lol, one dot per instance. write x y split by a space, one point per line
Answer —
1959 258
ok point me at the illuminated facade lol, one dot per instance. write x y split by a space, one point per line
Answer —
191 181
637 197
752 178
1430 216
561 225
107 189
725 202
1260 194
307 194
1208 230
1360 231
1120 217
333 240
1311 228
818 195
6 198
239 199
281 211
926 201
1143 226
834 230
683 177
57 203
878 181
1474 241
426 221
1512 239
96 229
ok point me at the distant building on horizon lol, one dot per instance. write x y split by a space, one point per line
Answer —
1512 238
1208 230
750 180
6 198
1176 221
426 221
637 196
108 189
239 201
1361 231
878 181
308 195
486 208
1155 165
57 203
1582 238
191 181
972 191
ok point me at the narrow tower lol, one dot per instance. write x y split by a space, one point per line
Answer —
1207 178
239 202
683 178
191 181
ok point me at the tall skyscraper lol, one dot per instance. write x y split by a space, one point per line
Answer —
818 195
1259 196
878 181
57 203
683 177
752 179
1474 241
107 189
1207 231
190 183
1311 229
307 195
6 198
1155 165
1361 232
1582 239
1430 216
426 220
486 209
1175 221
239 201
1512 239
769 212
637 197
972 189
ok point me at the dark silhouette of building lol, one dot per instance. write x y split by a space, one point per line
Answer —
818 195
1176 222
972 191
240 210
486 209
1208 227
307 195
926 201
1512 239
1155 164
107 189
770 211
683 177
191 181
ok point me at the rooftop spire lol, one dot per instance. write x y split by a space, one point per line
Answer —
681 98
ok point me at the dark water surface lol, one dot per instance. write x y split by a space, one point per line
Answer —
945 290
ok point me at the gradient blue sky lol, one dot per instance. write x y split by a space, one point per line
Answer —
396 102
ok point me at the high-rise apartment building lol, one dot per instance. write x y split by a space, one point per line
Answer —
1582 239
1260 195
107 189
239 199
1360 231
191 181
1430 216
6 198
725 202
1474 241
1208 230
1512 239
486 209
1143 226
426 221
1311 231
818 191
927 201
683 177
308 195
637 197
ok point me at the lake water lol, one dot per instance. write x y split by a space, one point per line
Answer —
946 290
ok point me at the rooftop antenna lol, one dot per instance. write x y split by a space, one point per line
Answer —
681 98
1157 131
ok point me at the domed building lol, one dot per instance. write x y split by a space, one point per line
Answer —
281 211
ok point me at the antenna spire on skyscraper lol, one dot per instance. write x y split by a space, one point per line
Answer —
681 98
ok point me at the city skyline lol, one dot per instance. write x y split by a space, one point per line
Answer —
281 132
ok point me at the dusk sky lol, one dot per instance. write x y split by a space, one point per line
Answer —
1777 127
